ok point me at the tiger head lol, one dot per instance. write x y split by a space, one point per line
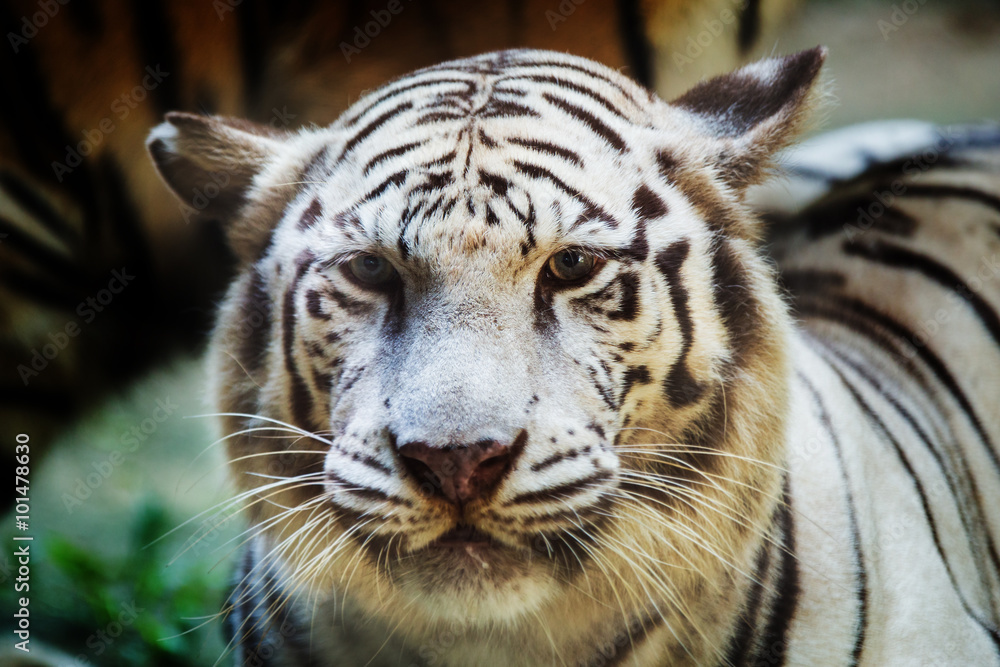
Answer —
502 341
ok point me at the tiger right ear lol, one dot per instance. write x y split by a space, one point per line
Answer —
747 115
210 163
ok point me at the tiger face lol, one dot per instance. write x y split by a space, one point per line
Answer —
501 343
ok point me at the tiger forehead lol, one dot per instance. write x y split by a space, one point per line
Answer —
490 156
475 194
505 220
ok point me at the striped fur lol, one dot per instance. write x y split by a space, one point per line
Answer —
689 476
91 78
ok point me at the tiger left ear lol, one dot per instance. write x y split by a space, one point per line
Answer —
751 113
211 163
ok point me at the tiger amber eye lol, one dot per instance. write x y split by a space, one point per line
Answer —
571 264
371 269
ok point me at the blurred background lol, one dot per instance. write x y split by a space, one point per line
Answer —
133 541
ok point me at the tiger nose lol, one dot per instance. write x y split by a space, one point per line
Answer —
460 473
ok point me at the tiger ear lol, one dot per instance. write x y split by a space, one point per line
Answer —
210 163
751 113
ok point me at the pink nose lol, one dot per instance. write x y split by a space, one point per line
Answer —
459 473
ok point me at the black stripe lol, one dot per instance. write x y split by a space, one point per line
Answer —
628 294
667 165
562 492
861 627
301 399
396 92
749 29
925 504
155 43
906 337
961 192
742 641
486 140
553 65
734 299
438 116
491 217
396 179
253 343
364 132
784 606
578 88
800 283
832 217
348 303
593 122
549 149
557 458
529 221
312 171
366 460
496 108
648 623
897 256
366 492
498 184
647 204
638 247
311 215
603 388
970 524
680 387
638 50
537 172
391 153
314 305
633 376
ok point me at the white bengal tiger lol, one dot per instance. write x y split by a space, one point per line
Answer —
509 380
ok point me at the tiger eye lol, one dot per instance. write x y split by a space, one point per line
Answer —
371 269
571 264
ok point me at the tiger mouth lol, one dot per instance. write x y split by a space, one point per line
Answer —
463 535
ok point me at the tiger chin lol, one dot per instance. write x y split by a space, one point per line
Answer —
506 379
